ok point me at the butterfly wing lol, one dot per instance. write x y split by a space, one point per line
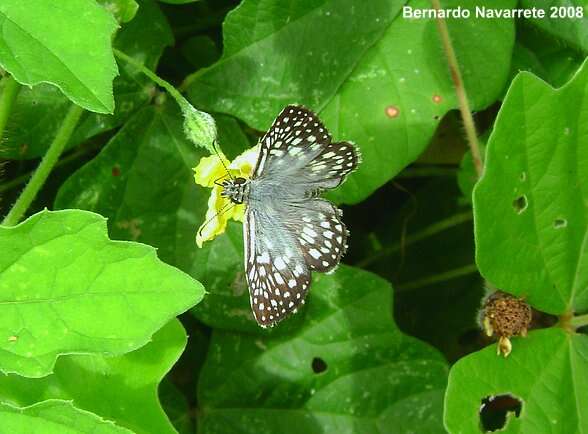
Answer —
319 231
332 165
294 139
297 149
277 274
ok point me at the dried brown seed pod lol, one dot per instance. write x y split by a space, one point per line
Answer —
504 316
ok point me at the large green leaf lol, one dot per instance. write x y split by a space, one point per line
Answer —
377 78
36 47
89 294
276 53
564 19
345 369
122 389
54 417
38 111
548 372
143 182
531 207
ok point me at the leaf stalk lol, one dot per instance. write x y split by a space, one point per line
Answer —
579 321
42 173
199 126
9 94
462 97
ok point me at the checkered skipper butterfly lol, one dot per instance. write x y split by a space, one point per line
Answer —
288 230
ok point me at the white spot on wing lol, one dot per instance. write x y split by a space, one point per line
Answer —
314 253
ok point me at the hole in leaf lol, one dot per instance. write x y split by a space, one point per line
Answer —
318 365
495 410
520 204
560 223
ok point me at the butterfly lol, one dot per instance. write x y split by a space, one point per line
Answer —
288 230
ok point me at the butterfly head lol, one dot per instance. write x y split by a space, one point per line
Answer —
236 189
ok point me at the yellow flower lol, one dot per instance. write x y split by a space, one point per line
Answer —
221 209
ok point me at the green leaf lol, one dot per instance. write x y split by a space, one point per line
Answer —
545 57
144 183
566 20
36 47
38 111
346 368
90 294
139 180
531 213
377 78
307 37
176 406
54 417
178 2
122 10
547 371
144 38
200 51
122 389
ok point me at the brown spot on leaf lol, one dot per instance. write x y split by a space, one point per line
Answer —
116 171
437 99
392 111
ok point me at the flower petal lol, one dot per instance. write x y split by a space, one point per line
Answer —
209 169
245 162
215 221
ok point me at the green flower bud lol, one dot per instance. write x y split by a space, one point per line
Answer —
199 127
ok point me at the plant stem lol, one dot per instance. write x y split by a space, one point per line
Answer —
40 176
579 321
426 232
462 97
11 88
182 102
436 278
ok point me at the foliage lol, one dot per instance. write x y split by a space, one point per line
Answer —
28 37
89 340
531 230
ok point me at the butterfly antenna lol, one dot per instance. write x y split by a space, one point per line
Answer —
214 146
222 211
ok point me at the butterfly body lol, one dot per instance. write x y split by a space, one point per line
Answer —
288 230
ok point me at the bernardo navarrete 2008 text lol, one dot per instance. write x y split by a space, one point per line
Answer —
478 12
